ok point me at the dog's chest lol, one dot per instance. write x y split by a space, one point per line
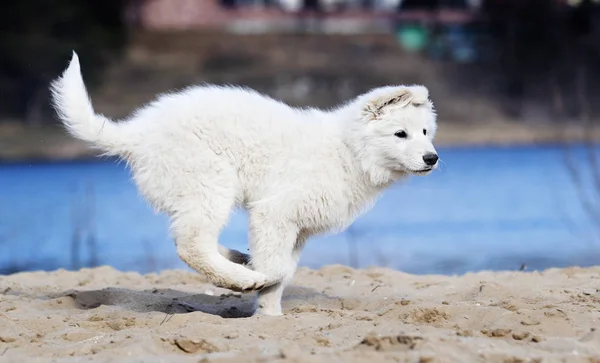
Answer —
334 210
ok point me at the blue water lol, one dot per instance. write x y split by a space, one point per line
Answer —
485 208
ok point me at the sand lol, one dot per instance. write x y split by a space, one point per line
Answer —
332 314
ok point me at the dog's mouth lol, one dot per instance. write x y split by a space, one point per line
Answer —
400 168
420 171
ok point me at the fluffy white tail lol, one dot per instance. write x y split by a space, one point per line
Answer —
71 101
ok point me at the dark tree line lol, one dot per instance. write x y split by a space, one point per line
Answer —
36 41
545 47
536 44
542 52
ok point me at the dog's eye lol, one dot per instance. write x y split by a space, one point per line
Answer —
401 134
424 132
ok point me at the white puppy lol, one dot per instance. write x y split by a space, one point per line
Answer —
198 153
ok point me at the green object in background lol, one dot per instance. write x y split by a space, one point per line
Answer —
412 37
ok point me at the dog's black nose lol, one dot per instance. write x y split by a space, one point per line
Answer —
430 159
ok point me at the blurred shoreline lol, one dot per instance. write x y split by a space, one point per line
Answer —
303 70
21 143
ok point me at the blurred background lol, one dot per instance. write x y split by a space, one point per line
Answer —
515 82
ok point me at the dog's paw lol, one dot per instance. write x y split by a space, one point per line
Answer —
242 287
255 282
268 311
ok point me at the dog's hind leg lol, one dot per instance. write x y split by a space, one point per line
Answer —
196 227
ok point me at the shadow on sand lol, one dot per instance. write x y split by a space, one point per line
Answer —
168 301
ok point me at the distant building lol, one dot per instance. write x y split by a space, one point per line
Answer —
203 14
177 14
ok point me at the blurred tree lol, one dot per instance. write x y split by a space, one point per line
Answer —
542 44
312 5
36 41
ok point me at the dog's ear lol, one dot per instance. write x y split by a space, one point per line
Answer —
382 98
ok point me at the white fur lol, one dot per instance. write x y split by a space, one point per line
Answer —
198 153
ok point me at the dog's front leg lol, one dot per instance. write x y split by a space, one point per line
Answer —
274 253
269 299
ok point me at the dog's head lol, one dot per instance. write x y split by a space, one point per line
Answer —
395 131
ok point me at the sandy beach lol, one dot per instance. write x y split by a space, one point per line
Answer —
332 314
